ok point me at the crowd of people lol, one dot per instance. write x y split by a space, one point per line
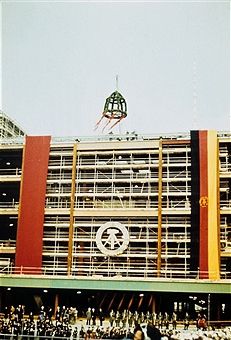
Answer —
65 323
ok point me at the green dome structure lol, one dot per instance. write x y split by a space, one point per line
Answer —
115 106
115 109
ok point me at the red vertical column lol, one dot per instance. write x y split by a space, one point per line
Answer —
32 204
203 204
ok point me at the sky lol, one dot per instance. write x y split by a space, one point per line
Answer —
60 60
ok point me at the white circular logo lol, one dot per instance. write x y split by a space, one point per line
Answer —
112 238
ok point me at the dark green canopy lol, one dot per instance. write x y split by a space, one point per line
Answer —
115 106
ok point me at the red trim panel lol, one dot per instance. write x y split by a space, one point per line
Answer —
32 203
203 164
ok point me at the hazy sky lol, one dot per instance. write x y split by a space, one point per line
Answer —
60 60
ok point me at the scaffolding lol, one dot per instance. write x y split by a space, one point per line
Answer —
90 183
9 128
119 185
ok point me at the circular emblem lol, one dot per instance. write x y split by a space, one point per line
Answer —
112 238
204 201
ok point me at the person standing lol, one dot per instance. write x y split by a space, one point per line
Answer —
101 317
186 321
124 318
130 319
42 314
49 313
88 315
117 318
154 318
136 318
57 315
174 320
112 318
166 320
93 316
159 320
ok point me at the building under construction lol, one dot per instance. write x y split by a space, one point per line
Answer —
123 213
8 127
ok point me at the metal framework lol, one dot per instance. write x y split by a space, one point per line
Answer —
91 183
8 128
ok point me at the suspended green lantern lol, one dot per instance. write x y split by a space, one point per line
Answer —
115 109
115 106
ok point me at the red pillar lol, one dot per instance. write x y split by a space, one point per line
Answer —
32 204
